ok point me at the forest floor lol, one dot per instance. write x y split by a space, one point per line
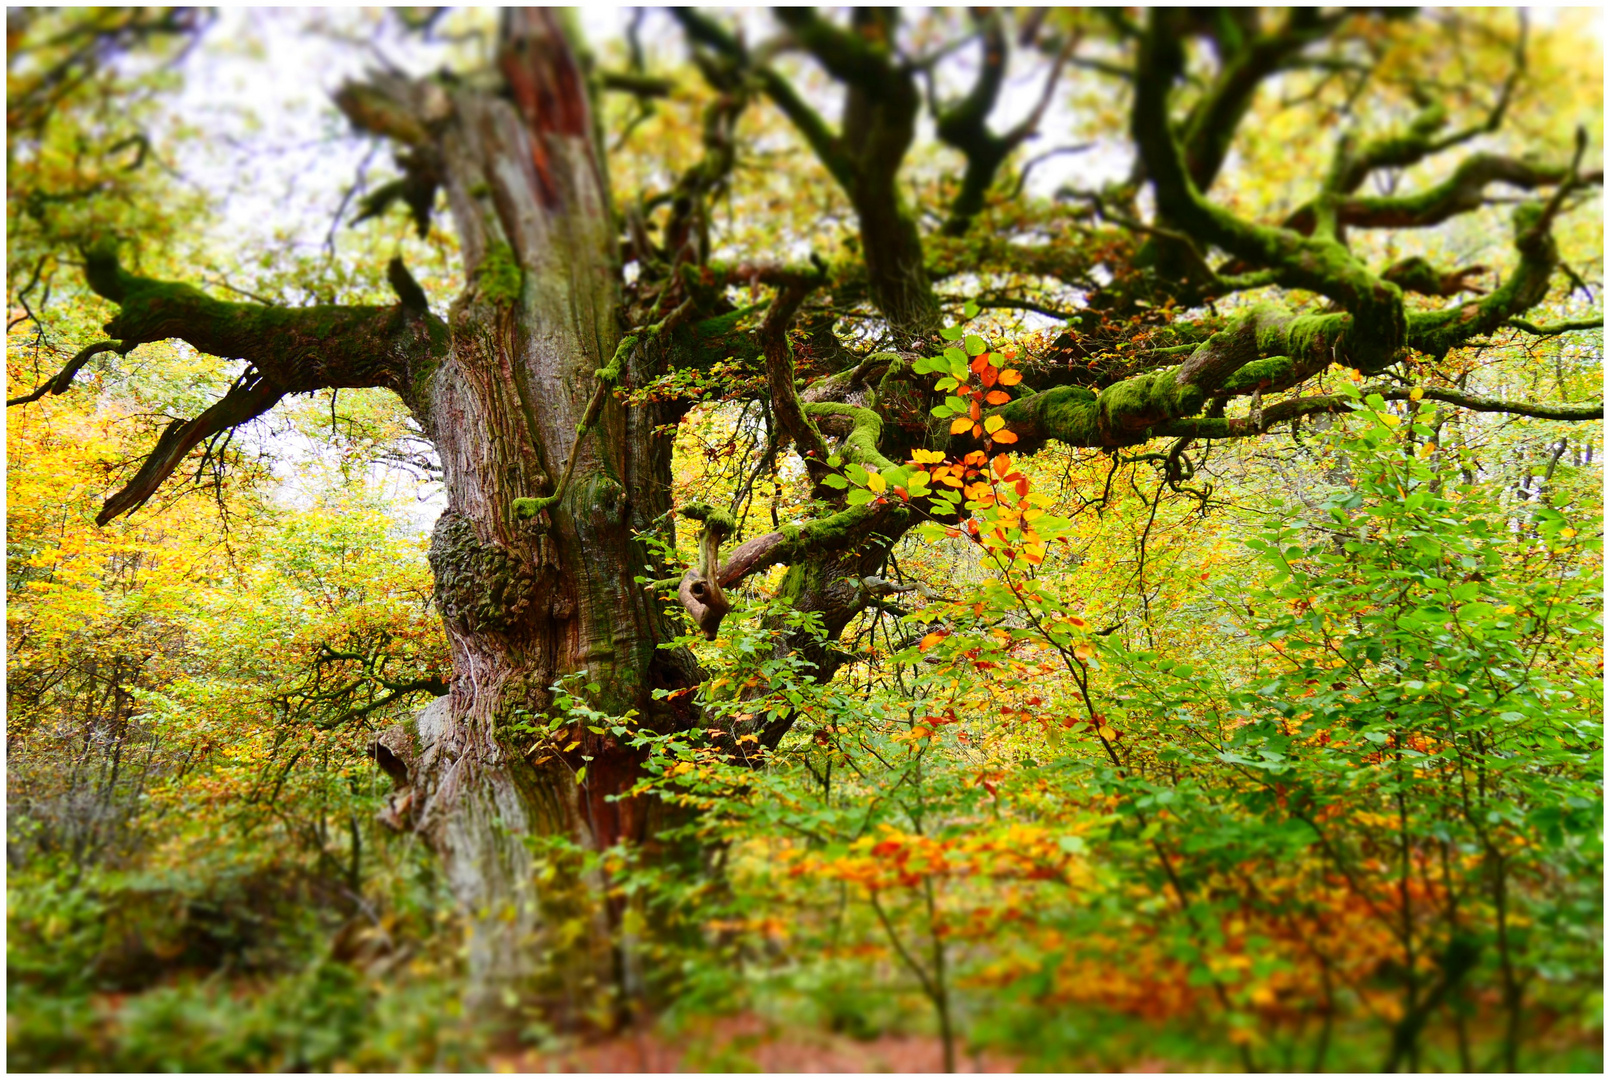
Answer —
748 1043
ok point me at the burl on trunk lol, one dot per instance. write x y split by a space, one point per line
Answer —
549 478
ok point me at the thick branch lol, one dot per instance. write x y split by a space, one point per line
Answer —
1462 192
785 403
295 349
290 350
1319 264
248 399
836 532
1212 124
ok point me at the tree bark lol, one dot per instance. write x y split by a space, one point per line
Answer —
530 602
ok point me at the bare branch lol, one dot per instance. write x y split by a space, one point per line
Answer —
252 396
63 379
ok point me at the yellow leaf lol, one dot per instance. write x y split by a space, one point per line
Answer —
1108 733
877 483
1416 394
994 424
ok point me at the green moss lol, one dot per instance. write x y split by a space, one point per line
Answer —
1065 413
502 277
714 519
1306 337
866 431
892 375
1262 373
1435 332
1146 400
526 509
721 325
602 494
611 372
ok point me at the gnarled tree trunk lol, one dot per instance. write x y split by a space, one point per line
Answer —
532 594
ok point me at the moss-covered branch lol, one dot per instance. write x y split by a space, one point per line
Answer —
814 539
295 349
1319 264
1425 135
1435 332
1463 191
1267 350
863 431
1251 59
289 350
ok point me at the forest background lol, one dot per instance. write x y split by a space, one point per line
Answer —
1289 757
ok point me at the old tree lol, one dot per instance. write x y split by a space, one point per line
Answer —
591 316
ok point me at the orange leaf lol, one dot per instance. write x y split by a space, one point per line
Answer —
997 397
1011 377
978 432
974 411
932 639
960 424
1004 436
987 376
1002 464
